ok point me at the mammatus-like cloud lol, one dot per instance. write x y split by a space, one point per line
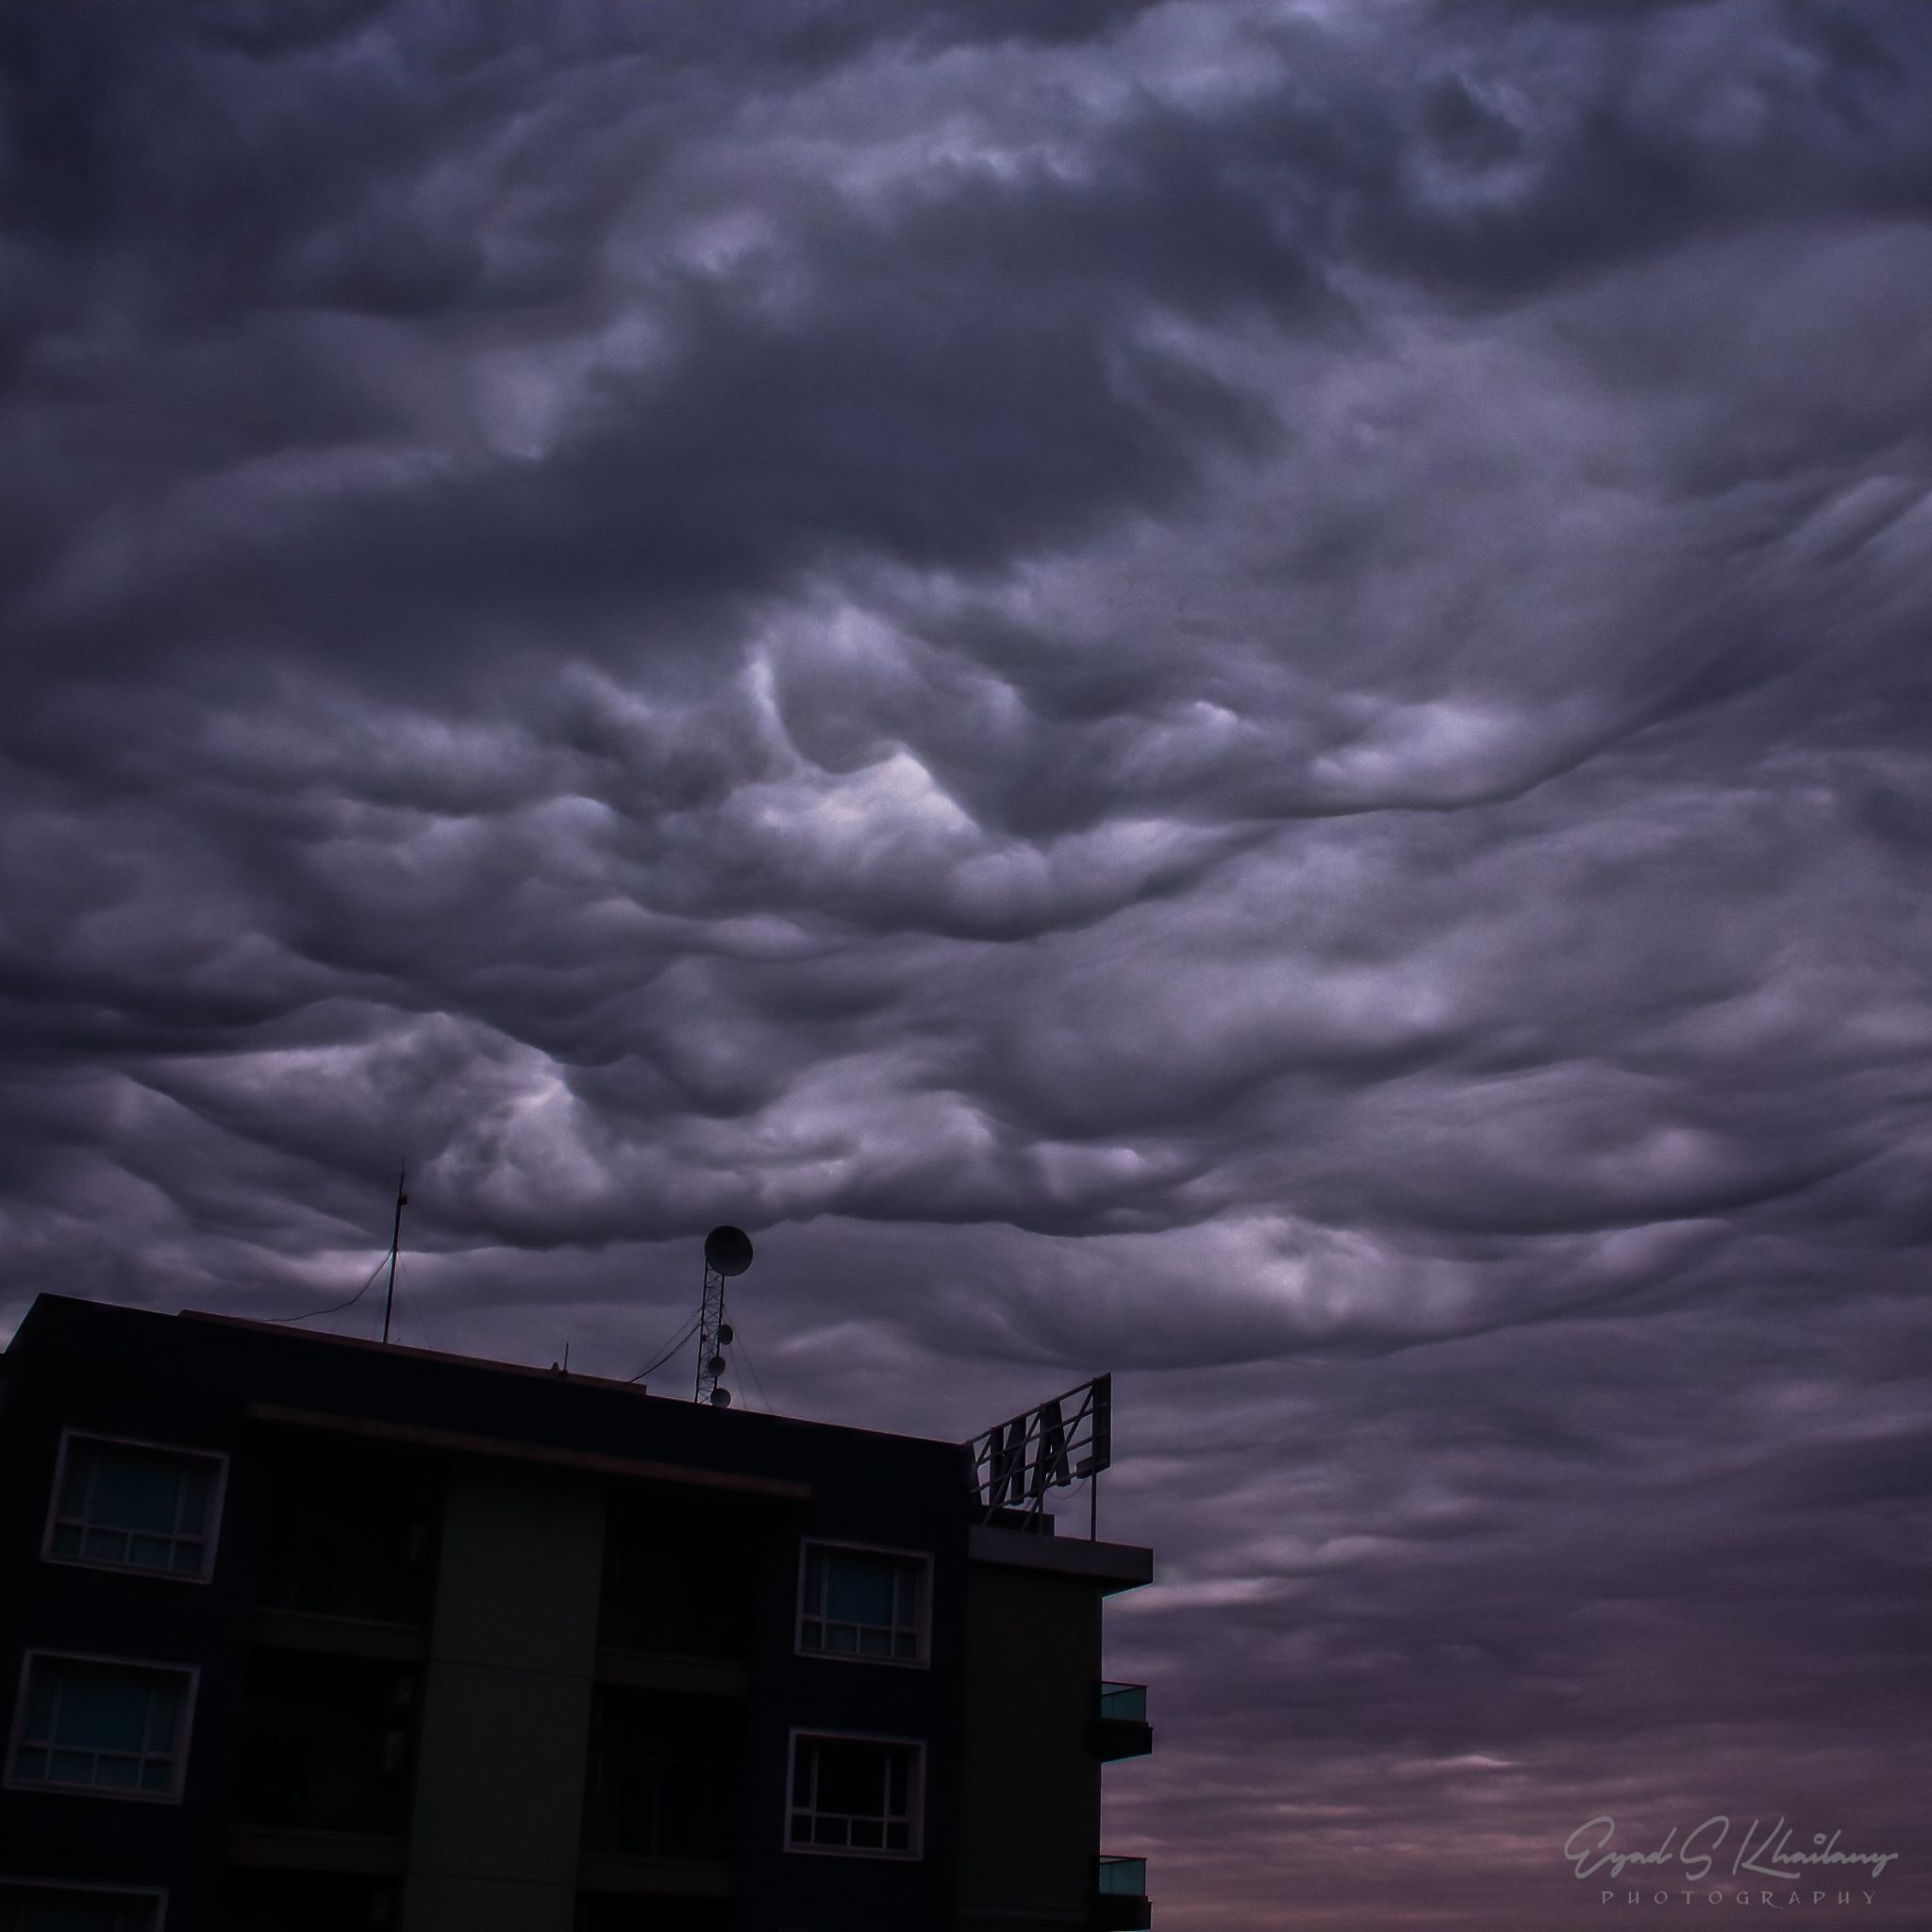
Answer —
1232 690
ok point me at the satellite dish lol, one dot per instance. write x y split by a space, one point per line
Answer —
723 1334
721 1398
728 1250
715 1366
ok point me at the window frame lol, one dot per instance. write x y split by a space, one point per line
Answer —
54 1788
923 1620
915 1796
155 1895
217 1495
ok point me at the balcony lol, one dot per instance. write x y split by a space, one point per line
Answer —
348 1549
1120 1901
324 1753
663 1792
678 1583
1119 1727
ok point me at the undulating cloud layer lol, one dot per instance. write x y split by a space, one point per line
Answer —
1233 690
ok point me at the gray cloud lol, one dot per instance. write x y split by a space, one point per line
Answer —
1229 691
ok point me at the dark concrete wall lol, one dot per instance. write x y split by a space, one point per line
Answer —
507 1704
1030 1812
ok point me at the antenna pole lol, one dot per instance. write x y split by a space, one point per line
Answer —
395 1242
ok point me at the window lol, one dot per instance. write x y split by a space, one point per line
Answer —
854 1795
134 1505
46 1907
89 1724
863 1604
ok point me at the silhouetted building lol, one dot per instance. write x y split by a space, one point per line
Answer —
302 1633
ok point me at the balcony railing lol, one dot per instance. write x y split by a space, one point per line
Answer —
1120 1901
1119 1727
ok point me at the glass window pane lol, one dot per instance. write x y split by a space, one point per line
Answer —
120 1495
860 1588
164 1706
862 1604
197 1480
53 1911
187 1555
102 1710
106 1723
125 1505
851 1777
39 1702
156 1491
857 1796
73 1483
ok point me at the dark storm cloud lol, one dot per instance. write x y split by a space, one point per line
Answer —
1234 690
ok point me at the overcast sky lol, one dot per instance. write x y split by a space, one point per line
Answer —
1236 691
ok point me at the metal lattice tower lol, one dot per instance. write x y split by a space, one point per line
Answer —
727 1252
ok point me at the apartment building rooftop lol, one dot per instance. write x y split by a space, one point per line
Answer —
442 1642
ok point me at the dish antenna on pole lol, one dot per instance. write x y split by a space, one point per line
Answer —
727 1252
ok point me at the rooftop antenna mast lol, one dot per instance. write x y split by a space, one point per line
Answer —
727 1252
395 1242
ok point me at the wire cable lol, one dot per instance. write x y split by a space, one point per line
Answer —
661 1359
339 1307
757 1381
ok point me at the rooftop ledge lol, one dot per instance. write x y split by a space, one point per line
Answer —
1112 1566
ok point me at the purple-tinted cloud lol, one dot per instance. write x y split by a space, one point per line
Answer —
1232 690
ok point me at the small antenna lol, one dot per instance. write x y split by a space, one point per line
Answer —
395 1242
727 1252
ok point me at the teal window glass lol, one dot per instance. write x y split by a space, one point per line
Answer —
862 1604
51 1909
852 1794
135 1507
106 1728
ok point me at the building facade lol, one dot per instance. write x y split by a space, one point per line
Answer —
300 1634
